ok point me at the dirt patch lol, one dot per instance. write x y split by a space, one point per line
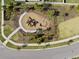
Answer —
42 21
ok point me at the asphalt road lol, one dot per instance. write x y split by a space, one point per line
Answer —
57 53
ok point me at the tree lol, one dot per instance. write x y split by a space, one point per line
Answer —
70 41
38 7
17 3
7 14
8 11
56 13
48 29
18 48
66 14
50 37
47 45
39 31
39 40
71 7
64 1
46 7
24 46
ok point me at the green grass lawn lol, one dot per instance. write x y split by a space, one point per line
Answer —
72 1
1 38
8 30
8 2
15 37
37 47
69 28
10 45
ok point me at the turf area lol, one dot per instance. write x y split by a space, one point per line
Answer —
69 28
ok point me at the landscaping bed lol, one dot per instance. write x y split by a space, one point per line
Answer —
56 14
63 20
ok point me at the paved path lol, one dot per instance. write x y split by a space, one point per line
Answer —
55 42
60 3
2 21
2 29
20 24
13 33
